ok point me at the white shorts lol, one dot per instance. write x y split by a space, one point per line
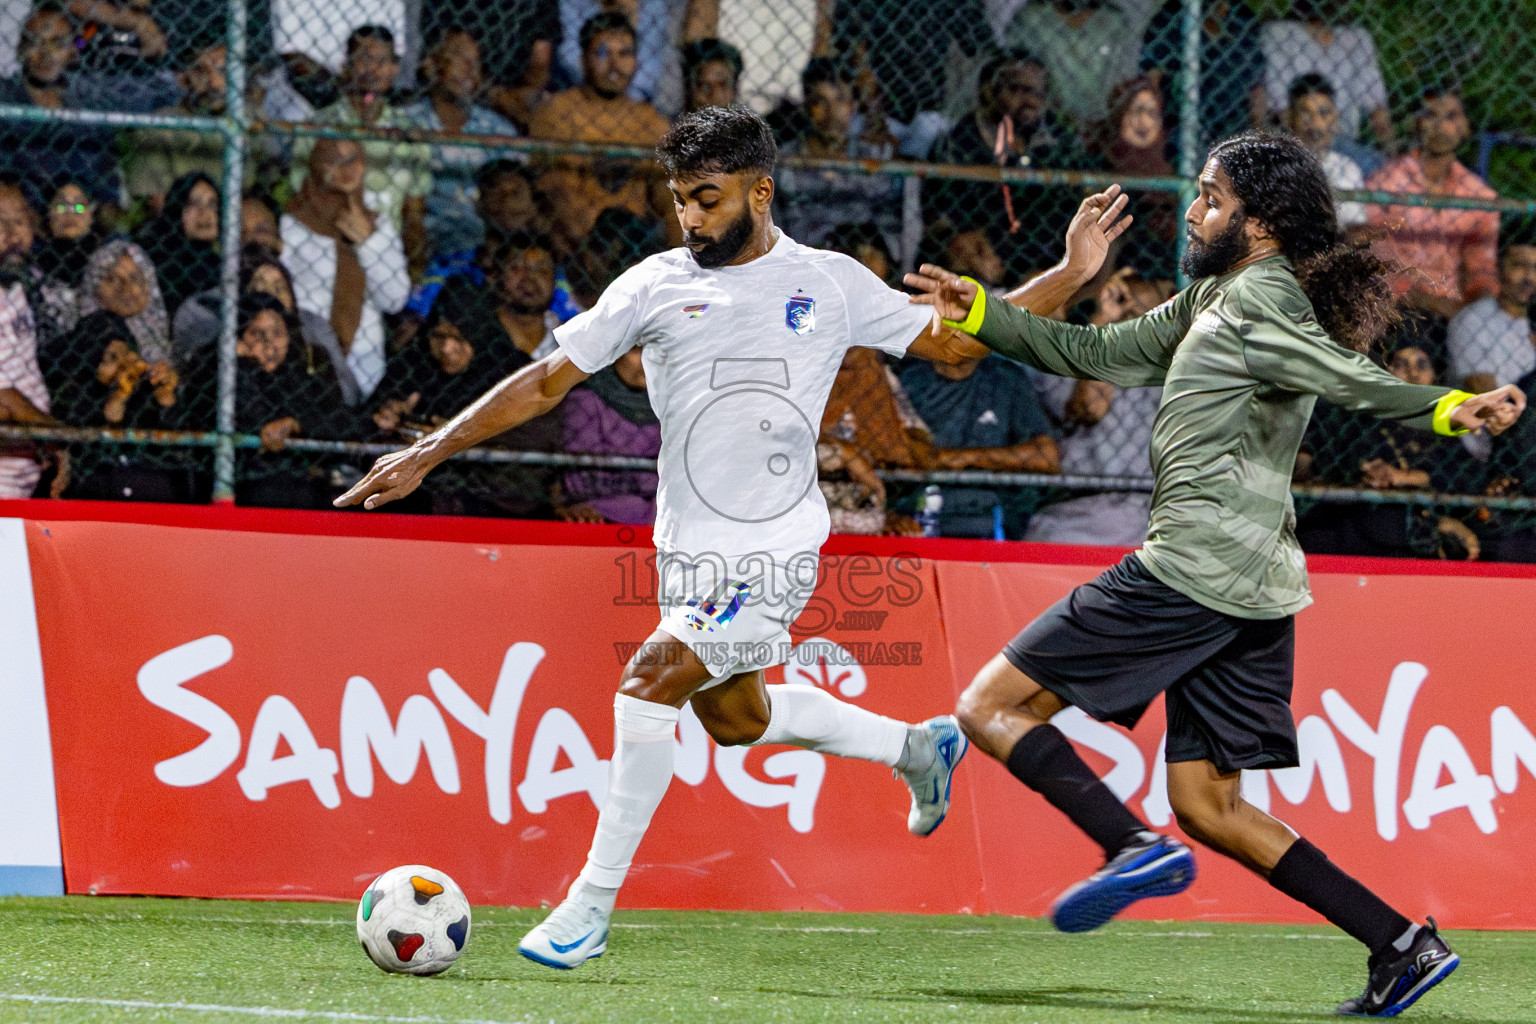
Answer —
735 617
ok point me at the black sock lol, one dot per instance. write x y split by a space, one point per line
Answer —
1305 874
1045 762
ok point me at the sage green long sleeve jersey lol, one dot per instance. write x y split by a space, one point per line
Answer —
1241 359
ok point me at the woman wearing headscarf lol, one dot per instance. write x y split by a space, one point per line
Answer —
283 389
440 373
115 368
1134 143
452 361
199 320
348 263
183 240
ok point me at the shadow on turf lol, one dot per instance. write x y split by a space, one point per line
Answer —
1075 997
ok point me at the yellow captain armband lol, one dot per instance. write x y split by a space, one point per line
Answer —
1443 409
972 323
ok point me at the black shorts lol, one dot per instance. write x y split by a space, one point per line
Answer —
1113 644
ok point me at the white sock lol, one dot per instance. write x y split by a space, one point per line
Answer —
638 777
805 716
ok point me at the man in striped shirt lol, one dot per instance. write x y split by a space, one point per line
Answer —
1280 315
23 396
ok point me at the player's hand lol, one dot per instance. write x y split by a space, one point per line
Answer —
392 477
949 296
1494 411
1098 222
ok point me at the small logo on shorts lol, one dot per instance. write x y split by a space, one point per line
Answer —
694 312
800 314
716 611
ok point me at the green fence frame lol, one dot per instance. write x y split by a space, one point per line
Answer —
236 130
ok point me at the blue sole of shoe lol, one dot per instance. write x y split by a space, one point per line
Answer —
1095 905
965 745
1441 973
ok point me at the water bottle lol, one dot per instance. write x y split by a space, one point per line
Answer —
997 523
928 515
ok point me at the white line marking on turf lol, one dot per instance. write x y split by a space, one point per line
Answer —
1001 929
254 1011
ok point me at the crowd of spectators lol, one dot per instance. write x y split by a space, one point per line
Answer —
386 281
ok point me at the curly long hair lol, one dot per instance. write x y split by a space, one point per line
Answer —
1282 185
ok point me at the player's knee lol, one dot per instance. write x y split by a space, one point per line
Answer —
732 723
655 683
1194 823
1202 819
972 711
736 731
979 702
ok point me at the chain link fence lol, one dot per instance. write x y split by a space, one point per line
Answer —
252 246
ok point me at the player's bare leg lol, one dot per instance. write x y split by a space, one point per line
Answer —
745 711
1001 705
1008 714
664 674
658 679
1209 806
1406 959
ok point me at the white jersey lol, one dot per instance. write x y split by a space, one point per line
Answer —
739 362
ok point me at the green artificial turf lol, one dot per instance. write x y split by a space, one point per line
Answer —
134 960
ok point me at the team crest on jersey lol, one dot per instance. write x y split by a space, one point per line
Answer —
800 314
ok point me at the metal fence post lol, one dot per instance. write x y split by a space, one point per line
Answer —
234 127
1189 123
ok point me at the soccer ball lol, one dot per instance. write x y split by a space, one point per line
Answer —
413 920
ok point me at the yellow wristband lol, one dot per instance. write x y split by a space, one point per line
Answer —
972 323
1443 409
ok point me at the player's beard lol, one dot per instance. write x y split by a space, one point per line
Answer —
1216 257
717 252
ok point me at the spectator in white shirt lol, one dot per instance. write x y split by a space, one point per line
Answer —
1313 117
1489 343
1343 54
321 31
348 263
23 396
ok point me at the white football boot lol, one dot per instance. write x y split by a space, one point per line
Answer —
573 933
934 750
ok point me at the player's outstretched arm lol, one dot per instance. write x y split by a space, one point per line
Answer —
942 344
527 394
1129 354
1299 356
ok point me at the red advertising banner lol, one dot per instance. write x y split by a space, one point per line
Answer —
246 714
286 714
